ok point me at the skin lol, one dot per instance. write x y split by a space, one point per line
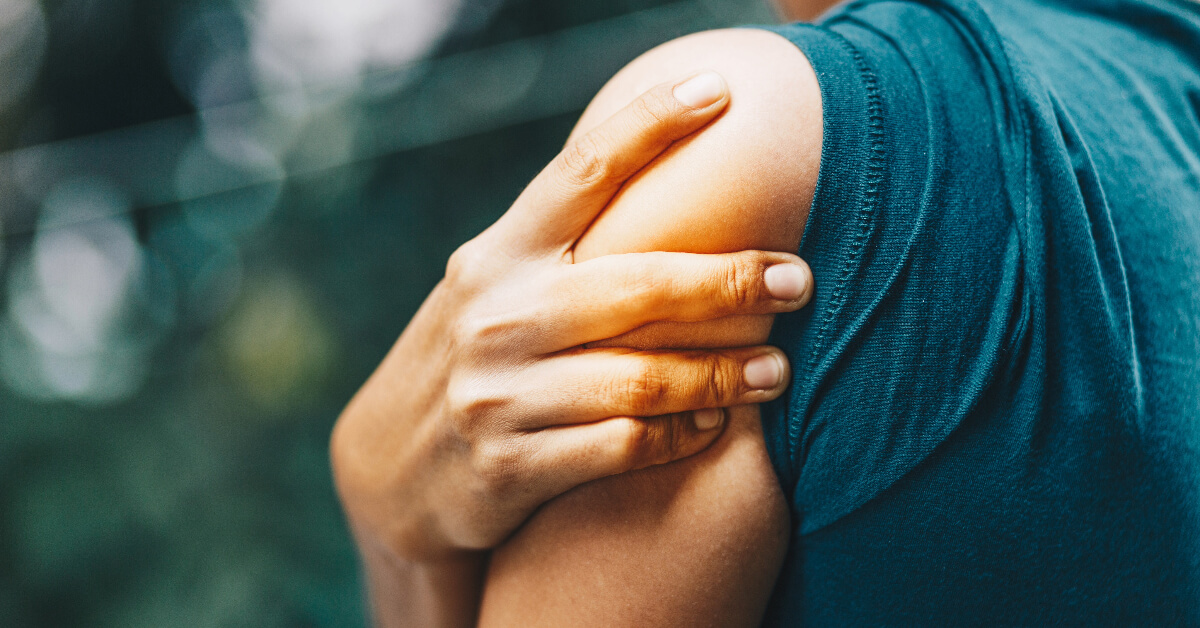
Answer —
700 541
803 10
502 392
470 425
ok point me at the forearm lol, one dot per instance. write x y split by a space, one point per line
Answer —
437 594
404 586
408 580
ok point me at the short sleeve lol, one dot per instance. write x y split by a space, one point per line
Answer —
915 251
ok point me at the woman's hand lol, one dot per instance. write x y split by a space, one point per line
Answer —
490 404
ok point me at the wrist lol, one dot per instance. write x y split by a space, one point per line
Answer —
385 446
442 592
388 502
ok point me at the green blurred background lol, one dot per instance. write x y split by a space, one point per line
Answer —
215 218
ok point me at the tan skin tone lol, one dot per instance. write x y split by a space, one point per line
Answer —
803 10
700 541
487 408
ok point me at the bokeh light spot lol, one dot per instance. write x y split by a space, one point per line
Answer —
276 344
249 180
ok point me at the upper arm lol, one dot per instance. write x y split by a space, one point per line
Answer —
694 543
746 181
699 541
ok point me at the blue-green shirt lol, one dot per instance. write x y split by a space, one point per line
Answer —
995 416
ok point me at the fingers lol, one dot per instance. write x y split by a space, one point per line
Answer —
590 385
731 331
568 194
611 295
582 453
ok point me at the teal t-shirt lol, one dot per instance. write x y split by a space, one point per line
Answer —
995 416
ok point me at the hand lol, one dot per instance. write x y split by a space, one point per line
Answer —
490 403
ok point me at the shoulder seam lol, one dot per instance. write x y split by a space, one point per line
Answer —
875 174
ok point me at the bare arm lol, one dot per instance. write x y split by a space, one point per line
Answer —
492 402
699 541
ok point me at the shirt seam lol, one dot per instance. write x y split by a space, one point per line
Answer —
876 161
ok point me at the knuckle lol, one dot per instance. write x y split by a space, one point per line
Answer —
720 379
652 110
652 441
739 284
642 286
471 405
497 466
639 439
583 161
671 443
686 436
465 263
465 332
477 331
646 389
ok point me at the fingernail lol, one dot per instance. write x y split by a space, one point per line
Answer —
785 281
764 372
707 418
701 90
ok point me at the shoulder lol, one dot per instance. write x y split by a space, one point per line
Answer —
762 67
756 165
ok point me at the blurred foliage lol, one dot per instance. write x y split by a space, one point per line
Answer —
170 372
